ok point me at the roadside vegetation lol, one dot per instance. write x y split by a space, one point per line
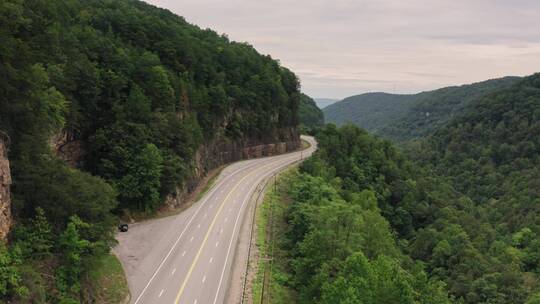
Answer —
310 116
273 273
308 235
454 219
106 282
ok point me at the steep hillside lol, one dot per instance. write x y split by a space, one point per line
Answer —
371 111
456 222
403 117
484 184
141 103
311 117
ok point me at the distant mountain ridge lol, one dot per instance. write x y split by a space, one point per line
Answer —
324 102
404 117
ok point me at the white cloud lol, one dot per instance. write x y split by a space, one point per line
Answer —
344 47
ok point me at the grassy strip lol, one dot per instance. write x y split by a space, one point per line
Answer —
106 282
274 259
305 144
209 184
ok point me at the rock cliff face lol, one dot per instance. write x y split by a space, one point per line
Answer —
68 148
219 152
209 156
5 196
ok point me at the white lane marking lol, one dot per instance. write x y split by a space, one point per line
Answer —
195 302
226 219
205 215
221 231
173 271
210 194
230 244
211 260
214 190
204 279
160 293
191 239
184 253
217 243
199 226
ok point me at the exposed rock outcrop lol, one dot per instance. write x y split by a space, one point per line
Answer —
219 152
209 156
5 195
68 148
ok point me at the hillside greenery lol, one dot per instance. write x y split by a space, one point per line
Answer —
338 246
486 179
310 116
142 89
406 117
460 206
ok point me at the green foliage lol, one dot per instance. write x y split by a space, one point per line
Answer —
10 274
311 117
342 248
140 184
480 181
362 281
62 192
405 117
71 268
35 239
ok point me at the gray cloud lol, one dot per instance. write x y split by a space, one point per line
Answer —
344 47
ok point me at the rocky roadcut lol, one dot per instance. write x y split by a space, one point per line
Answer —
5 196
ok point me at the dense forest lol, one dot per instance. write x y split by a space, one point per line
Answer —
310 116
340 243
481 233
404 117
141 89
453 218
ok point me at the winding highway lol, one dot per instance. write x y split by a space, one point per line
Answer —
187 258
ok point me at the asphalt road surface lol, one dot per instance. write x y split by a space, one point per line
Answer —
187 258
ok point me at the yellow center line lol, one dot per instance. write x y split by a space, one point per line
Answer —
210 229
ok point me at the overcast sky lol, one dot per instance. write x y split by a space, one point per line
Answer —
340 48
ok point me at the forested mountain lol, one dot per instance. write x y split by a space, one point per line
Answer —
371 111
133 92
310 116
461 207
339 242
404 117
481 236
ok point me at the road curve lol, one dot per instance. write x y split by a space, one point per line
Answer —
187 258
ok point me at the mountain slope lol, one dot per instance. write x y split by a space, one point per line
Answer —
403 117
310 115
371 111
481 173
140 104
